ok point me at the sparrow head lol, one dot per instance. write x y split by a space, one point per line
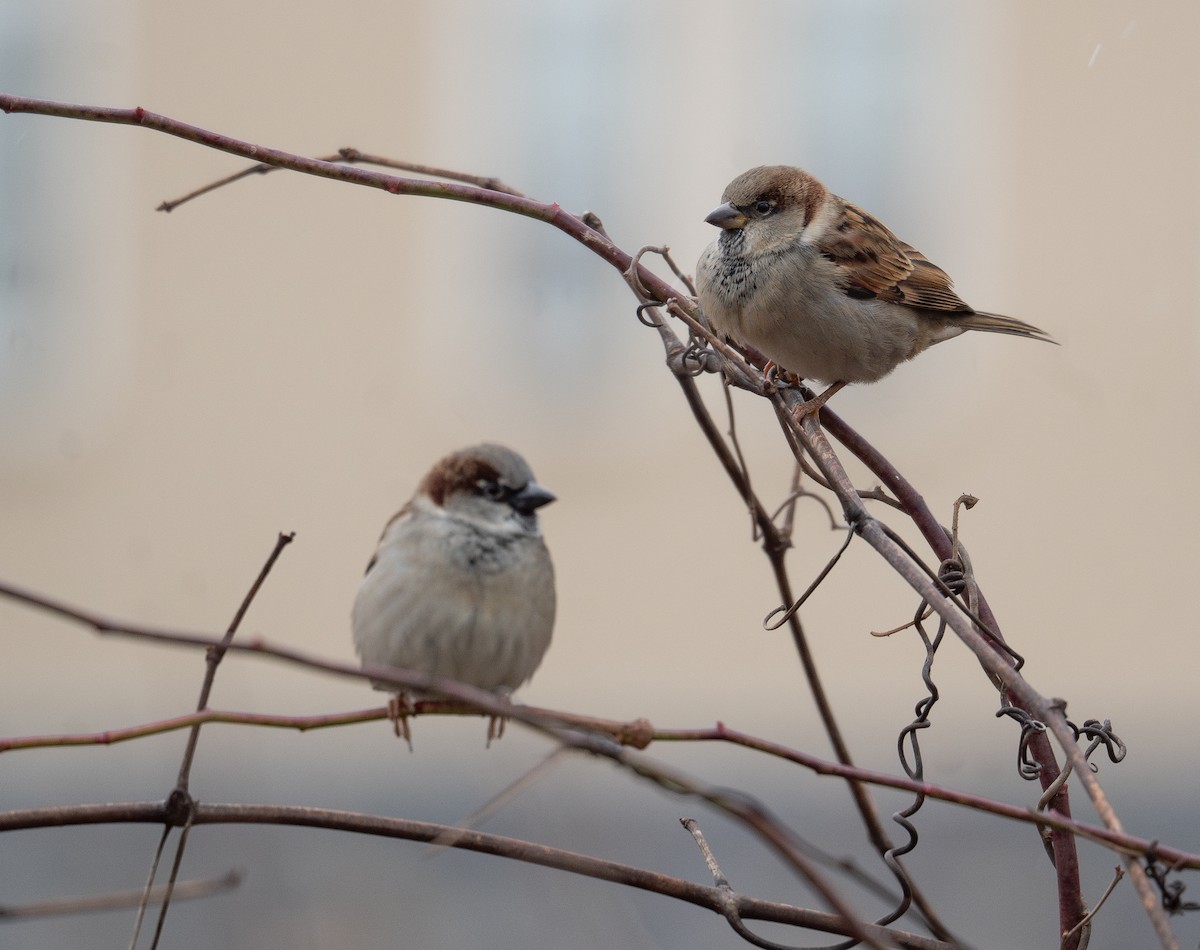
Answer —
768 207
487 484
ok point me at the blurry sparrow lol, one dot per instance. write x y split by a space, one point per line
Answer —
823 289
461 583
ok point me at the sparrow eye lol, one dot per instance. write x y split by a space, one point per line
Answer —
763 207
491 489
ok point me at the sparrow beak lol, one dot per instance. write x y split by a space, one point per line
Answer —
727 218
530 498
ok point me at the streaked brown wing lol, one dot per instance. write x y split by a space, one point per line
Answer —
928 286
878 264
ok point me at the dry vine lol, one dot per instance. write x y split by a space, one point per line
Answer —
950 591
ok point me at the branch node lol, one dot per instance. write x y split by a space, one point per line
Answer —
179 808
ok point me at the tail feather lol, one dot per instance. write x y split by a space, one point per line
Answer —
998 323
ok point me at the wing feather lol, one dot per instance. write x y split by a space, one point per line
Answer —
877 264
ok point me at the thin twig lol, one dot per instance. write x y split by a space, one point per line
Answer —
214 656
349 156
184 890
722 884
1118 873
496 802
213 659
636 733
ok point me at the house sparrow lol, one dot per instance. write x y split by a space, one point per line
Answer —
823 289
461 584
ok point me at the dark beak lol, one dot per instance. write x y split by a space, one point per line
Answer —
530 498
727 218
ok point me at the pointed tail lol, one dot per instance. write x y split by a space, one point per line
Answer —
998 323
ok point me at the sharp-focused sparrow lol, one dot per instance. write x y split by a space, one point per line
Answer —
823 289
461 584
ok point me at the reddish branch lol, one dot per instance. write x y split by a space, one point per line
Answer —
772 832
564 726
651 289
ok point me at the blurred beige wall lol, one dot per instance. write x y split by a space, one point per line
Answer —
290 354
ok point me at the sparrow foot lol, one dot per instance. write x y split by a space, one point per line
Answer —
777 378
399 708
813 406
496 724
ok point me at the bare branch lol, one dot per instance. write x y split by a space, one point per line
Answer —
997 663
1123 843
975 626
209 813
185 890
772 832
349 156
214 656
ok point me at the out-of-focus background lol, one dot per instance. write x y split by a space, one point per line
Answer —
290 354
